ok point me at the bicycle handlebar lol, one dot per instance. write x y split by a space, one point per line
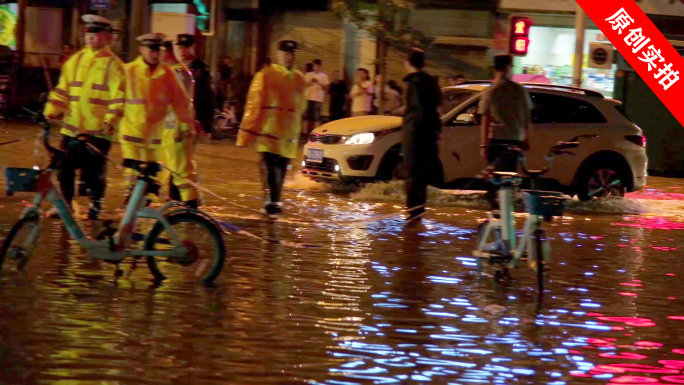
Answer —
559 148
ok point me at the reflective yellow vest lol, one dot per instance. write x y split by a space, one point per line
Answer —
90 92
172 126
148 97
273 116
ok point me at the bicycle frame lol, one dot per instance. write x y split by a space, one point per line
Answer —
116 248
506 222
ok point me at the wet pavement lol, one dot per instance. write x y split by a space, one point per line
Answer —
377 303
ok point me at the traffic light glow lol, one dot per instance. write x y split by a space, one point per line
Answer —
519 35
521 45
520 27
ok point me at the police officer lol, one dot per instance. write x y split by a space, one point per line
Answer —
177 148
421 132
273 120
90 98
151 88
203 96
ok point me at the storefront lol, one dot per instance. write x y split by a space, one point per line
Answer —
552 39
552 54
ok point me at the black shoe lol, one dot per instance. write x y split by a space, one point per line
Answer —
273 209
415 217
193 204
94 212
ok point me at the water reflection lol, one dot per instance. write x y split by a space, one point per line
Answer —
380 303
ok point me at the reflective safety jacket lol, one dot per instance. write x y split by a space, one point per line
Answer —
90 92
149 93
273 116
187 82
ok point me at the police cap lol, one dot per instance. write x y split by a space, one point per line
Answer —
288 46
185 40
95 23
152 40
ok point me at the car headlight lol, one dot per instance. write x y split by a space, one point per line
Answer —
364 138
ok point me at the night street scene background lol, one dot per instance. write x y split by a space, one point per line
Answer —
339 289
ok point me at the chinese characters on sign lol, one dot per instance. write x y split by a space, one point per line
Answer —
519 39
635 39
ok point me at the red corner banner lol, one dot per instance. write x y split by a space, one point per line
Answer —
643 46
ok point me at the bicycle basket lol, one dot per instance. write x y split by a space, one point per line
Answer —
544 203
21 179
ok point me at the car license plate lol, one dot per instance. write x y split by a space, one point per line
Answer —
314 155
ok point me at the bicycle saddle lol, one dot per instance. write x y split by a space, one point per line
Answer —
145 168
535 173
505 178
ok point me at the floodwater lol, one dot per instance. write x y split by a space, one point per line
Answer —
376 303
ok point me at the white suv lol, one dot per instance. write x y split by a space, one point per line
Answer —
368 148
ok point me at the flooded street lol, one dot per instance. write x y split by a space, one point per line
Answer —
377 303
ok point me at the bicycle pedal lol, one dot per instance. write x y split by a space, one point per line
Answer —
498 259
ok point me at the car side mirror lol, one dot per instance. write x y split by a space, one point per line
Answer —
466 119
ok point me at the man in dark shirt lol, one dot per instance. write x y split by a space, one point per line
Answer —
225 71
339 93
203 98
421 132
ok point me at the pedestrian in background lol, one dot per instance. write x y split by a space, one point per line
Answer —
362 94
395 86
225 74
421 132
455 80
506 109
178 139
317 86
203 98
273 121
67 52
339 94
89 99
392 96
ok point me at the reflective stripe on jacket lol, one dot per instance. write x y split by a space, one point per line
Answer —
273 116
149 93
90 92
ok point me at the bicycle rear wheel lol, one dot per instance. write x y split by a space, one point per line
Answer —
200 236
17 247
538 256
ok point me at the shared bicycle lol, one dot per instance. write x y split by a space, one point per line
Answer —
497 243
182 242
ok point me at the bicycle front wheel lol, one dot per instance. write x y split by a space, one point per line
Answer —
202 239
17 247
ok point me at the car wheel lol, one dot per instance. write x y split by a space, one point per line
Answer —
392 167
602 182
399 172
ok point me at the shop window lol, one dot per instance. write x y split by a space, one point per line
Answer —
559 109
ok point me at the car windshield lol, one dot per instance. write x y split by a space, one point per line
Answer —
450 99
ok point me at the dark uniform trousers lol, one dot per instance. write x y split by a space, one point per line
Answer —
273 170
91 164
423 168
